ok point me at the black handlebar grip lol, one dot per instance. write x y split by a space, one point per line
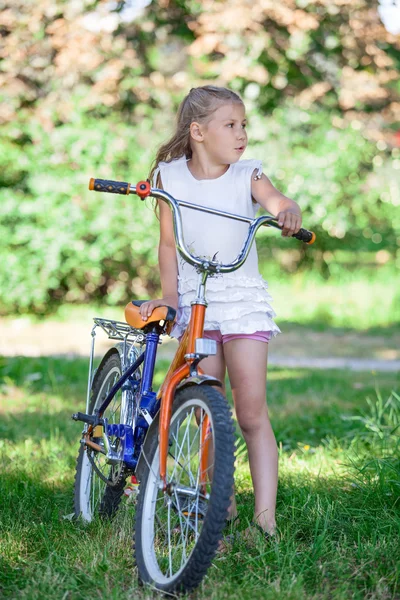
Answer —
112 187
305 236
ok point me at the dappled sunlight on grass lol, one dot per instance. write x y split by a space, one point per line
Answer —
17 399
49 460
305 462
38 421
278 375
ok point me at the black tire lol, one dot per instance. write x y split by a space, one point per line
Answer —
100 494
193 521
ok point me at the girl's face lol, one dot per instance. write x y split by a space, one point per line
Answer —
224 136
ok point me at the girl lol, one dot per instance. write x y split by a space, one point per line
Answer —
201 164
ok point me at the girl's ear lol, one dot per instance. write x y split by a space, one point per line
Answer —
196 131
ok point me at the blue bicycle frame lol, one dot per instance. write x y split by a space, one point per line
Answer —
132 438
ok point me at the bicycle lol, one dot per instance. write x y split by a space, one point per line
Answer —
179 442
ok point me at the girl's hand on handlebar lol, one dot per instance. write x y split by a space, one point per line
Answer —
147 307
289 221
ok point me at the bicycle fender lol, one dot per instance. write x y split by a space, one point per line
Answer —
117 349
109 352
152 435
198 380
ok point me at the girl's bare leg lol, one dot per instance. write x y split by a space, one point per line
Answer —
246 361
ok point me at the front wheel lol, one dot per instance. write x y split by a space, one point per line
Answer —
177 531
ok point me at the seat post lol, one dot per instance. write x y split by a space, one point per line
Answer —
152 339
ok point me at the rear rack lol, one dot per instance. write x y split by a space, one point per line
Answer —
118 330
115 330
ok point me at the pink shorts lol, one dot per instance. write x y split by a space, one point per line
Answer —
259 336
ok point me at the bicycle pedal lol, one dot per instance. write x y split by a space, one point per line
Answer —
189 511
89 419
192 515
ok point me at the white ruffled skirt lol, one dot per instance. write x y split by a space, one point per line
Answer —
235 305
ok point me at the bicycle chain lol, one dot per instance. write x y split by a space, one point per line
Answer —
100 474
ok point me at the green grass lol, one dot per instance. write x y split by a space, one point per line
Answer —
338 497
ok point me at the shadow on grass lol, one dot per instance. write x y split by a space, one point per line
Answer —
27 501
46 555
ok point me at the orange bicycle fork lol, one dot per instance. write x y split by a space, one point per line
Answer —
179 370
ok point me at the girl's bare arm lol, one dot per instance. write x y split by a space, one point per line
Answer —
286 210
167 256
168 265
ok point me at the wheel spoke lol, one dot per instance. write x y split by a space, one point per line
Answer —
180 447
186 465
169 539
194 440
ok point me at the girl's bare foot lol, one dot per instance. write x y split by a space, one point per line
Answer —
262 522
253 533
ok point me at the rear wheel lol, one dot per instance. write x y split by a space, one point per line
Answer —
177 531
99 482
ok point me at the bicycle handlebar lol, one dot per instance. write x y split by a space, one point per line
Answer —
143 189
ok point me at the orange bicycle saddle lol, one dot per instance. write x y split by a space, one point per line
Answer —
161 313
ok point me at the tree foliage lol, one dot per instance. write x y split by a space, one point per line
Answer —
88 90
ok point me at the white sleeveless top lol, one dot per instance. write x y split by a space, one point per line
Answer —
238 302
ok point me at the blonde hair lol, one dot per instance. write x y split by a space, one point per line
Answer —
199 104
